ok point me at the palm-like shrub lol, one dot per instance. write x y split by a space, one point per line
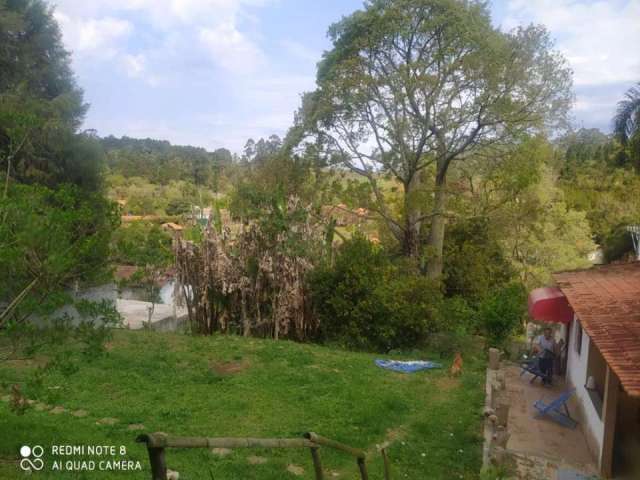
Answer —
626 123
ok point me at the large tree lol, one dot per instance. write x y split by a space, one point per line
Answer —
41 106
412 86
55 223
32 54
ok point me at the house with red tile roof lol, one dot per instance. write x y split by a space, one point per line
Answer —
600 310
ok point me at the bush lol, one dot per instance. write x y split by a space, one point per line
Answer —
474 261
89 333
457 322
141 244
178 206
50 240
412 303
617 244
96 328
363 301
501 312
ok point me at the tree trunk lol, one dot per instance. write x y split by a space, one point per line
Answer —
436 234
246 327
16 301
410 244
411 234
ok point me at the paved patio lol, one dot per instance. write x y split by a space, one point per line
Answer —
542 448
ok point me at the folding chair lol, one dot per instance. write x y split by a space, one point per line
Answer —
557 410
531 366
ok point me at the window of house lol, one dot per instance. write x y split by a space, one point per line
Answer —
578 338
596 377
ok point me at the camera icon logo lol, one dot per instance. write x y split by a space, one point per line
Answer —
31 458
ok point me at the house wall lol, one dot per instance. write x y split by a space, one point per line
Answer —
577 363
627 443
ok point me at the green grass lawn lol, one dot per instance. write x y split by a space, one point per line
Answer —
227 386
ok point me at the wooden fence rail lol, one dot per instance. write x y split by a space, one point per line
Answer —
158 442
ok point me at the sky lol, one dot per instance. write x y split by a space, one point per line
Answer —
213 73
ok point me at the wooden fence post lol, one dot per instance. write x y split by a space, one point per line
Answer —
317 465
363 469
387 467
159 441
158 464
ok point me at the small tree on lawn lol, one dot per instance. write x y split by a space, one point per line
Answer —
149 248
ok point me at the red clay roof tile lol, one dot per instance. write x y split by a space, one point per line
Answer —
606 299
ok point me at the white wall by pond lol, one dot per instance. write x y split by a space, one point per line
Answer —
107 292
165 295
166 292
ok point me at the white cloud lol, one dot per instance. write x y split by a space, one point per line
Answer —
195 11
92 29
231 49
94 35
165 14
597 38
134 65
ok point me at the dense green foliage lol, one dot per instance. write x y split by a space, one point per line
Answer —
141 244
160 162
475 262
154 177
501 313
603 185
518 200
41 107
364 301
586 148
384 103
50 241
148 248
32 53
271 171
54 221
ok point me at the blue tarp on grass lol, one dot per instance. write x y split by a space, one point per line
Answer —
569 474
407 367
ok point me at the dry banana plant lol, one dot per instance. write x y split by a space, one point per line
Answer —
252 282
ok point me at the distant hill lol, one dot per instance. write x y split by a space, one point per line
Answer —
160 162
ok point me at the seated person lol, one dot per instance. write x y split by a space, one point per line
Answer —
545 347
